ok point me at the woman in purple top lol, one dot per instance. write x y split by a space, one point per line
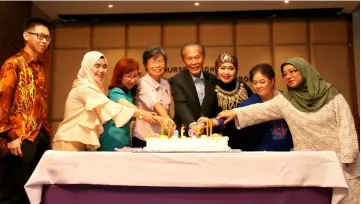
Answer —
153 94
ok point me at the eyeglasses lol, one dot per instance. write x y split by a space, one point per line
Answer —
41 36
130 77
160 62
291 73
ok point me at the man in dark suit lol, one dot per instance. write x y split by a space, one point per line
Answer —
193 89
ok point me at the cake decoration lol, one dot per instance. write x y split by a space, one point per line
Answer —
195 142
198 131
169 128
191 132
161 127
175 134
182 131
168 125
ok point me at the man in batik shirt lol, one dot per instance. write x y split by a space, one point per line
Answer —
24 131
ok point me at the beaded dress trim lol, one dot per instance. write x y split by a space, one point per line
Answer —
228 100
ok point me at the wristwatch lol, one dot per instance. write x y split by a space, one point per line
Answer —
140 117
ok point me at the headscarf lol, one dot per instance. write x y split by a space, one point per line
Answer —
222 58
229 95
226 57
313 92
85 75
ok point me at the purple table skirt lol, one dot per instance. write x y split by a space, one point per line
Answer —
98 194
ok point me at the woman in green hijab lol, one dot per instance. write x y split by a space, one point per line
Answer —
317 114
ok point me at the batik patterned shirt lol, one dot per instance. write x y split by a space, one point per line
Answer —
23 98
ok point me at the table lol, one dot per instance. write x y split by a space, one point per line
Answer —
182 177
98 194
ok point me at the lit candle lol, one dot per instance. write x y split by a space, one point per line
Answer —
161 127
207 125
182 131
169 128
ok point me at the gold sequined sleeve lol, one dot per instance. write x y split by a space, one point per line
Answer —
347 133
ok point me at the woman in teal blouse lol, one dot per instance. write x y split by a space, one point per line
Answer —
122 90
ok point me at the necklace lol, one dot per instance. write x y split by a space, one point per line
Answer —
279 131
228 100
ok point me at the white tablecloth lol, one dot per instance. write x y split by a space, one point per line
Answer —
244 169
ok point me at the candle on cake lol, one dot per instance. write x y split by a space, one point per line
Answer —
198 131
210 127
169 128
161 126
175 133
207 125
182 131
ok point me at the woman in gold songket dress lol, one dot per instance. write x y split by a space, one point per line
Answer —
230 93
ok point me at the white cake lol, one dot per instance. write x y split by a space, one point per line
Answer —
204 143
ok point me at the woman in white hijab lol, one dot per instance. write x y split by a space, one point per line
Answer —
87 108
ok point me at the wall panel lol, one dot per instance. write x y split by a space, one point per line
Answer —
328 32
337 71
290 32
175 62
66 66
13 15
144 36
253 33
77 37
216 34
108 36
356 49
54 127
179 34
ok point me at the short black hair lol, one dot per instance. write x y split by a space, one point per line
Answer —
153 51
36 21
265 69
192 44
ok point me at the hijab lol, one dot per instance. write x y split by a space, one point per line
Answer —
229 95
222 58
85 76
313 92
